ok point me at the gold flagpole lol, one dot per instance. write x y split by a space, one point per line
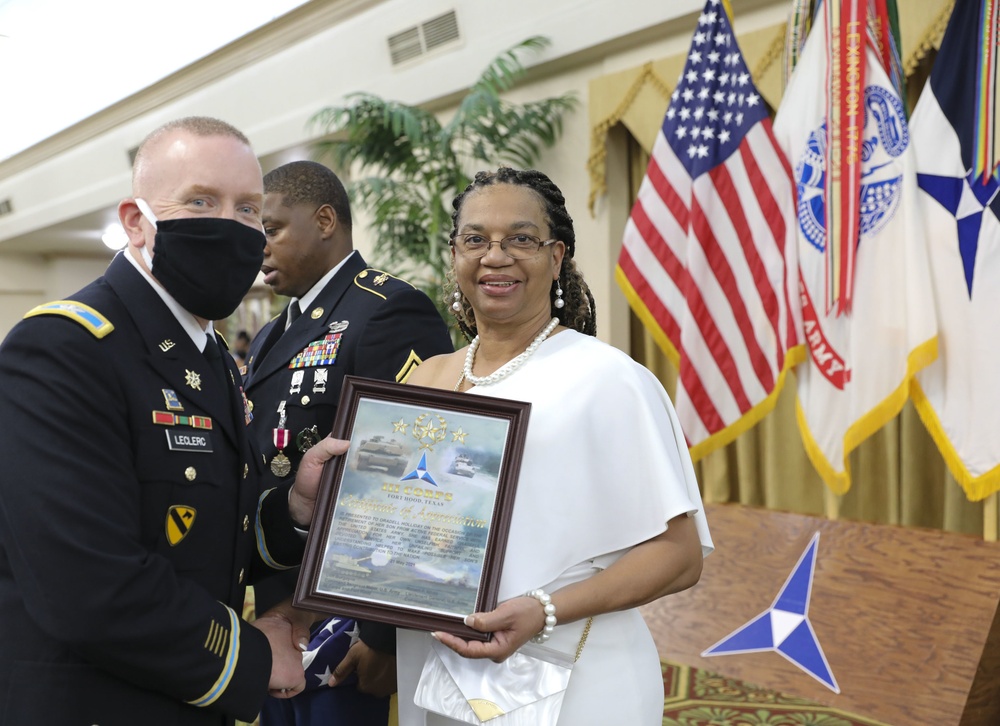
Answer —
990 517
831 503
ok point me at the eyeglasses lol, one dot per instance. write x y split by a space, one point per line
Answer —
518 246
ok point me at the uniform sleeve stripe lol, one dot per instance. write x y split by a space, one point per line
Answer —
262 542
228 668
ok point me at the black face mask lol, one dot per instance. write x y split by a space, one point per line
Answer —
207 264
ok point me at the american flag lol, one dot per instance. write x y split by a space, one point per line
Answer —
708 259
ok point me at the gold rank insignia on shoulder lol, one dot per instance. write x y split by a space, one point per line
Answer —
180 519
412 361
361 281
93 321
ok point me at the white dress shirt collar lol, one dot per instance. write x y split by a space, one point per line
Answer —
306 300
187 321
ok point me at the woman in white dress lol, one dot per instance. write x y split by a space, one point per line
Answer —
607 515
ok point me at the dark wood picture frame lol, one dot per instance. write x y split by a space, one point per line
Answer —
414 509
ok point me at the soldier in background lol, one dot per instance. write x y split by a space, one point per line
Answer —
344 318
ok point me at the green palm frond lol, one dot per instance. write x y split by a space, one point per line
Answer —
412 166
507 68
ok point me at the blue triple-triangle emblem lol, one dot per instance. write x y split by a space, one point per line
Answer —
421 472
784 627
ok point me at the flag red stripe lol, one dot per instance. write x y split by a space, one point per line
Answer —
651 235
695 389
666 191
662 316
772 213
670 264
727 280
710 332
791 334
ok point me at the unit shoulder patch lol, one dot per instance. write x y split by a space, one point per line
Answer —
97 324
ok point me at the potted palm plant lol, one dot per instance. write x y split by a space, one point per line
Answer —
408 165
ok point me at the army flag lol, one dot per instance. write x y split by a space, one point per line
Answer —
708 255
862 360
958 396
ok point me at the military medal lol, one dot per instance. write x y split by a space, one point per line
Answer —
319 380
280 465
307 438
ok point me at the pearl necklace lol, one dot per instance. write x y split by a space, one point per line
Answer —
507 368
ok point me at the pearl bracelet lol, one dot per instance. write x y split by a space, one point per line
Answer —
550 615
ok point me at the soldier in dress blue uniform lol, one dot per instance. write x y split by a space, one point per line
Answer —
344 318
131 510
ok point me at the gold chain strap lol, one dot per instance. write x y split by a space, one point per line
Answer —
583 638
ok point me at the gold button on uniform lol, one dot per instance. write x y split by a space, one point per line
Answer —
250 405
190 473
316 314
241 575
305 400
246 522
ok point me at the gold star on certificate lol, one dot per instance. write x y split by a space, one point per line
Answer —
192 379
459 435
399 426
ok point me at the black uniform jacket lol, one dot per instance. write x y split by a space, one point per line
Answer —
131 518
377 325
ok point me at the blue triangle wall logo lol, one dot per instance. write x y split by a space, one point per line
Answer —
784 627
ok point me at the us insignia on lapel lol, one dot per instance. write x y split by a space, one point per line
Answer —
318 353
180 518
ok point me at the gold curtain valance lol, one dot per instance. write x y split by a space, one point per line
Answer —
638 97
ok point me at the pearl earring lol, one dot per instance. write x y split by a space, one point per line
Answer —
559 302
457 305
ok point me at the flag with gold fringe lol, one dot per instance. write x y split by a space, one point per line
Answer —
708 255
958 396
863 356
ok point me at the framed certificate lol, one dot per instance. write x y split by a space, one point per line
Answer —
411 523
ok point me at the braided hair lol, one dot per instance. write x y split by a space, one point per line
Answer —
579 310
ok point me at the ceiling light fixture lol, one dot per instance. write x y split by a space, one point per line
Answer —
114 236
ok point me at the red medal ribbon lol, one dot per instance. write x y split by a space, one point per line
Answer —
280 438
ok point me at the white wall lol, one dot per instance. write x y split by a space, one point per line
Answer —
272 99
